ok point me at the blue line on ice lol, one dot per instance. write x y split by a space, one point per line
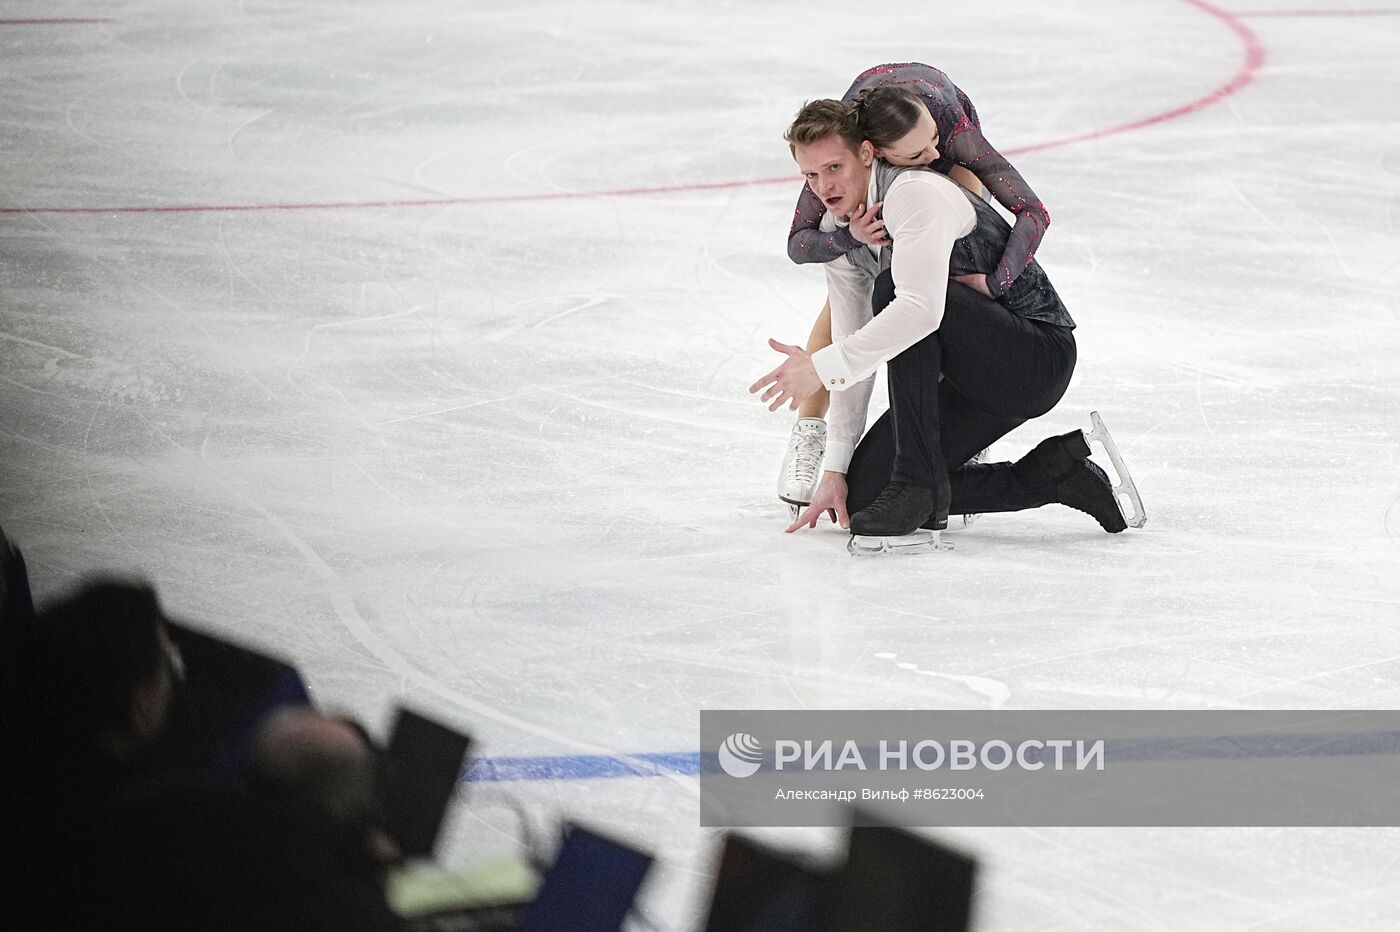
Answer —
1133 750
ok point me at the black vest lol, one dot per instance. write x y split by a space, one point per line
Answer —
978 253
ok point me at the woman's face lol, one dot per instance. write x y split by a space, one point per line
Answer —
919 146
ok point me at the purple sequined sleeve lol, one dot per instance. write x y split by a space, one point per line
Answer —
969 148
806 241
962 143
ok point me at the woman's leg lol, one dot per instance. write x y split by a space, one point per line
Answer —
820 338
797 480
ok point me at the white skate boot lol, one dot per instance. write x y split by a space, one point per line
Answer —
802 466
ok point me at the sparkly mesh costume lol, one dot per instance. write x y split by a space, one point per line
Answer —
960 142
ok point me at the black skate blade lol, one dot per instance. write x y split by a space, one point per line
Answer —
921 541
1125 486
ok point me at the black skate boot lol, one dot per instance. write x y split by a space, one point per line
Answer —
906 518
1061 465
1052 458
1087 488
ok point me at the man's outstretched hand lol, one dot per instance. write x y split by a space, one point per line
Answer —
830 497
792 382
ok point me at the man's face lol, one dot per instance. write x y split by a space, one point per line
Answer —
919 146
837 175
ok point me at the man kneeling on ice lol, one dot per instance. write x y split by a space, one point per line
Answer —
1001 361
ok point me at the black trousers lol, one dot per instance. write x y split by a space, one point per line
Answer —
998 371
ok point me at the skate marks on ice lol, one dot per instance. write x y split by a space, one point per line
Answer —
344 605
1390 520
994 691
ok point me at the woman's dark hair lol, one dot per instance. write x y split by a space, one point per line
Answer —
887 114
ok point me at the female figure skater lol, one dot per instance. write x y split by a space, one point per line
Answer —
937 128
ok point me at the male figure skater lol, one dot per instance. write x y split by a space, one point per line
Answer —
964 368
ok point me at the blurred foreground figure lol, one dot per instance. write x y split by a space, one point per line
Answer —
89 696
298 848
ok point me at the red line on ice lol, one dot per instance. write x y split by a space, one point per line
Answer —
1253 60
422 202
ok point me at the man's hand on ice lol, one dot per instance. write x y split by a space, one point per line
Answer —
829 497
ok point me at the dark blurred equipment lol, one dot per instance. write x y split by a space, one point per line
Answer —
423 767
591 886
294 847
224 691
761 890
218 858
895 881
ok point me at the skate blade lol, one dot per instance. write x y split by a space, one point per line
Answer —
961 522
920 541
1125 486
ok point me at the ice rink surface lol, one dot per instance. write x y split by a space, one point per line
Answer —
410 341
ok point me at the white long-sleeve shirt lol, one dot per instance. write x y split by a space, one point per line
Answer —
925 213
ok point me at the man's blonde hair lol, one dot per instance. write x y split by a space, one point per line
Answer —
819 119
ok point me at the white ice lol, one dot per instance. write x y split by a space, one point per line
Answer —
494 457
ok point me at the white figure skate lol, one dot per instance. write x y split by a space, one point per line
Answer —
802 467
